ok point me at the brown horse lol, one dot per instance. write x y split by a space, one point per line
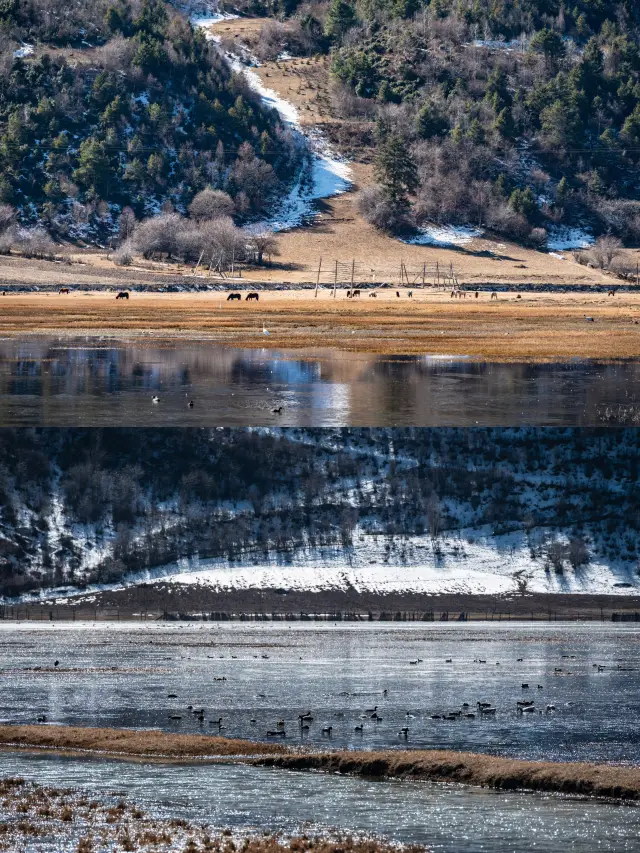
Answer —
251 296
63 290
233 296
124 294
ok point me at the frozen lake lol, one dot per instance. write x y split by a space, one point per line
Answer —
92 382
135 675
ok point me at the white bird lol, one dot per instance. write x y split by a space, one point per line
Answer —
589 319
155 399
265 331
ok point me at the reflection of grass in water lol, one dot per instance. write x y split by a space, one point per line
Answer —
30 811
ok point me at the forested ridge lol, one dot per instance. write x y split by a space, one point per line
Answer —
518 115
78 506
108 105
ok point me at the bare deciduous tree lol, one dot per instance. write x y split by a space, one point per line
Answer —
211 204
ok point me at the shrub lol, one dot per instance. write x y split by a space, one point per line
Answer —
211 204
159 235
604 251
379 211
123 256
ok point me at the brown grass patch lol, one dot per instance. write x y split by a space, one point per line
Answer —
537 327
130 742
594 780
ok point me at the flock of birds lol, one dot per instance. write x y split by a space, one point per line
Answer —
466 711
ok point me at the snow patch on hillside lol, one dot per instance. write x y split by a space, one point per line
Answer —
561 238
444 235
475 562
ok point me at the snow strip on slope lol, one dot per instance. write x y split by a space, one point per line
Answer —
329 175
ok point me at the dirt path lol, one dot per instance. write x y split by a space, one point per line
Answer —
535 327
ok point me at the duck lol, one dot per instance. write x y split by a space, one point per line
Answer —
404 732
359 729
155 399
217 722
327 730
190 404
371 710
376 717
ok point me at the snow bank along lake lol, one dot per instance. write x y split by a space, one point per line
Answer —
88 382
137 675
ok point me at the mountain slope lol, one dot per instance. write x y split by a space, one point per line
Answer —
104 106
456 510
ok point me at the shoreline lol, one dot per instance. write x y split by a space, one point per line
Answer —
175 602
476 769
534 327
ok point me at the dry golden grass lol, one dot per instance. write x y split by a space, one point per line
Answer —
474 769
536 327
597 780
130 742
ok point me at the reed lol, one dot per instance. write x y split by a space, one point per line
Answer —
490 771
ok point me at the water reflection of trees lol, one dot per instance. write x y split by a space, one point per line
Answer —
369 389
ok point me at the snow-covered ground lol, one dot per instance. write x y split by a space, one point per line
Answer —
327 175
444 235
562 238
25 50
473 561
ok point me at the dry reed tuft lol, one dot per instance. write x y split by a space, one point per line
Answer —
131 742
594 780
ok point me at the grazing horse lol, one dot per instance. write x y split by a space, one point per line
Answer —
251 296
494 295
355 293
410 294
373 296
611 293
349 294
63 290
233 296
123 294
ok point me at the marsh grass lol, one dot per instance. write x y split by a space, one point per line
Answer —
125 827
594 780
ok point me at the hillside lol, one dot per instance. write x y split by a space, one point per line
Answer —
443 510
111 107
519 117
